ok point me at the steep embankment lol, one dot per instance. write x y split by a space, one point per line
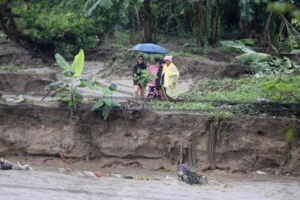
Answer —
248 144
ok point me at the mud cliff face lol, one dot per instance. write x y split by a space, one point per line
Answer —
20 83
248 144
201 67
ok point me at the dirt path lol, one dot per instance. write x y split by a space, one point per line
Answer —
91 70
125 85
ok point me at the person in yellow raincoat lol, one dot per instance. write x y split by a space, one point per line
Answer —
170 77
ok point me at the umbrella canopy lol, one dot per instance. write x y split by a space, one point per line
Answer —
150 48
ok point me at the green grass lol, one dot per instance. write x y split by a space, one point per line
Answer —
273 89
181 106
214 96
11 69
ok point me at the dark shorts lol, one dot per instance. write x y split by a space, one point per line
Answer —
137 83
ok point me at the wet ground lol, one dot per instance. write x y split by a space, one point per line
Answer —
91 70
55 184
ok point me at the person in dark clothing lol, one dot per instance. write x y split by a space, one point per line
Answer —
137 74
160 79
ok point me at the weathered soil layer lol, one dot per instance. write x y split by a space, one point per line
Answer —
13 54
149 140
200 67
20 83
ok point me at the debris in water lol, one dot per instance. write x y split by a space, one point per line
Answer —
261 173
186 175
5 165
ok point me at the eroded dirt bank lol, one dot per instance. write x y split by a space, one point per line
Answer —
20 83
149 140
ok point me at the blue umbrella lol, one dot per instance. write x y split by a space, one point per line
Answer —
150 48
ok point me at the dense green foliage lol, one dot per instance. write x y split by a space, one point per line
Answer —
66 26
263 64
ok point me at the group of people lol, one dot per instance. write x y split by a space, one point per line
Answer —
165 81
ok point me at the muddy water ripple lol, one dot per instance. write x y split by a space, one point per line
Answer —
31 185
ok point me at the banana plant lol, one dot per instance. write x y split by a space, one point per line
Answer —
105 103
66 90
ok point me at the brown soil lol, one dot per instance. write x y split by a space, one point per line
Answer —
151 141
99 54
219 55
201 67
20 83
12 54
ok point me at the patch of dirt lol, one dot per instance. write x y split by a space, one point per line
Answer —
220 55
201 67
12 54
21 83
99 54
156 139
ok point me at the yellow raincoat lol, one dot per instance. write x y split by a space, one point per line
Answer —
171 74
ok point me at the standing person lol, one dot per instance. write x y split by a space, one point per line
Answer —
137 74
160 79
171 75
153 90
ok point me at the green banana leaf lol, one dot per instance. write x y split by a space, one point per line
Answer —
78 63
62 62
254 57
237 45
248 41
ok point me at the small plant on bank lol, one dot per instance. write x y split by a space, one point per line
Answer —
105 103
220 125
280 89
67 90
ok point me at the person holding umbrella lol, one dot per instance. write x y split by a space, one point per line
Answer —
137 74
148 48
170 75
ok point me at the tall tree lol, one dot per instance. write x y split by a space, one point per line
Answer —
148 22
201 22
186 17
215 25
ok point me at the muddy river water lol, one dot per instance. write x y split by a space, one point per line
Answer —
54 184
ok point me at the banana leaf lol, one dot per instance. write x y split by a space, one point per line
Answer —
254 57
237 45
78 63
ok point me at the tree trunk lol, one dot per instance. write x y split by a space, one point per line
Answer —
137 18
132 35
101 39
186 18
215 28
267 37
148 22
201 23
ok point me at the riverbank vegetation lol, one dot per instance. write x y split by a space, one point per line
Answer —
67 26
